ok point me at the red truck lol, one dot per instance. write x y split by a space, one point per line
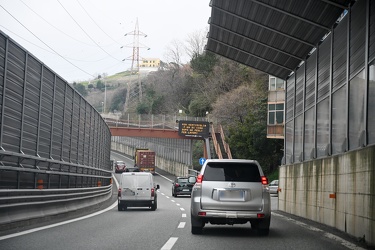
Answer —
144 159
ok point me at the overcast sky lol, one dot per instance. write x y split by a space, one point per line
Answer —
79 39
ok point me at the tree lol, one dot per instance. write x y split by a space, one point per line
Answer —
80 89
203 64
118 100
100 85
195 43
152 102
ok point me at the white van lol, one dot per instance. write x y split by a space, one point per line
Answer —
137 189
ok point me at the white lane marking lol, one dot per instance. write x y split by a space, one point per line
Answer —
178 204
169 244
173 201
183 215
182 209
164 177
162 193
63 222
181 225
167 197
328 235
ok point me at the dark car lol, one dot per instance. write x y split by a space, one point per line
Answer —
120 167
182 186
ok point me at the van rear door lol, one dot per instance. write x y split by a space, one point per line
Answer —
136 186
144 186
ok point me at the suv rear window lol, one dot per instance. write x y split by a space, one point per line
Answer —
232 171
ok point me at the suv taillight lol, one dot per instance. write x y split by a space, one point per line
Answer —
264 180
199 178
152 192
177 185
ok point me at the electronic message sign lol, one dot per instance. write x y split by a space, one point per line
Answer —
193 128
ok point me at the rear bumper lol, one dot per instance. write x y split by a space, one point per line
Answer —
227 216
136 203
182 192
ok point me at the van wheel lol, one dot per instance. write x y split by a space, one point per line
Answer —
154 206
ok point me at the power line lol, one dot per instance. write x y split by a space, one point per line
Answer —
86 32
96 23
45 43
55 26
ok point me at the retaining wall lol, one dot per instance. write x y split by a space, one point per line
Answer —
338 191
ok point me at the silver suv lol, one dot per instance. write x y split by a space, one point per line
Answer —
230 191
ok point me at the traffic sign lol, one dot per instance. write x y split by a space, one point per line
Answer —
194 128
202 160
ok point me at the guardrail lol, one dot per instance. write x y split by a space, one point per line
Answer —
21 207
134 120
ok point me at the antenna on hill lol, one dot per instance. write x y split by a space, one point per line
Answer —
135 62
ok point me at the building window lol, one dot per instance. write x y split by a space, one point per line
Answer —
276 83
275 114
272 83
279 83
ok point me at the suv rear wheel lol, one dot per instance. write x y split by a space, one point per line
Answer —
261 226
196 230
196 225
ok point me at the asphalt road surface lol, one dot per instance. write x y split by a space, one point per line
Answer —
169 228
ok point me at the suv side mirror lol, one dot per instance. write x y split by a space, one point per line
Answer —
192 179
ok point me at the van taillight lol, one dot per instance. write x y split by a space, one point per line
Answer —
264 180
119 192
152 192
199 178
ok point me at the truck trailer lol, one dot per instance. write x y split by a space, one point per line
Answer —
144 160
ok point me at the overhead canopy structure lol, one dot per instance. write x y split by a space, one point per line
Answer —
273 36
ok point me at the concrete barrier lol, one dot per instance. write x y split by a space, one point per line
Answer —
338 191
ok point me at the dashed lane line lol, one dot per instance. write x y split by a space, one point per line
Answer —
169 244
181 225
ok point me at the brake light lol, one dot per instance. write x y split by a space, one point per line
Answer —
152 192
264 180
119 192
177 185
261 216
202 214
199 178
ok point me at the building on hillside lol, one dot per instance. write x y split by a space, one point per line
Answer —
150 63
276 101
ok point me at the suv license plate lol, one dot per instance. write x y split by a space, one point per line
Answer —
231 195
231 215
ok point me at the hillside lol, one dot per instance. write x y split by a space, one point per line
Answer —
114 84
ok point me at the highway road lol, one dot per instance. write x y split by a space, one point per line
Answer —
169 228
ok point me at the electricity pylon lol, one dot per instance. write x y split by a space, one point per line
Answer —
135 62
